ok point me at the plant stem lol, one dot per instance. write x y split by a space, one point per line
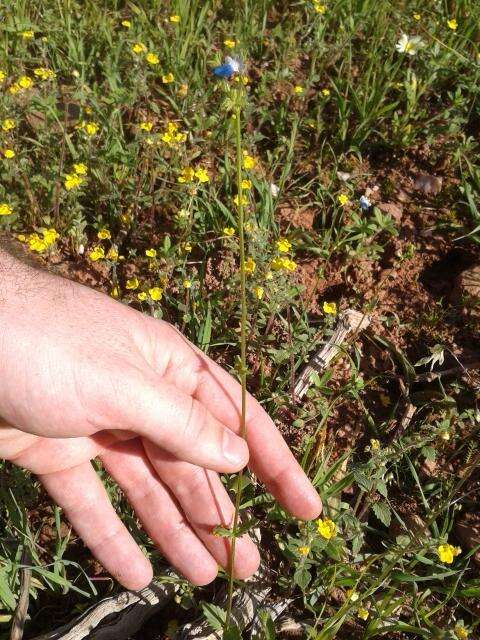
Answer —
243 353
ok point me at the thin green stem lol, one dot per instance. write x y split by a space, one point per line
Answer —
243 352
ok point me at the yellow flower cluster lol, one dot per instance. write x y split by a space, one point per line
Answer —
41 241
167 78
23 82
44 73
172 136
283 263
230 44
3 75
75 179
188 174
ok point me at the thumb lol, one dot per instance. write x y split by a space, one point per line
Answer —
180 424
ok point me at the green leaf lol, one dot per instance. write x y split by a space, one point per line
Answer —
214 615
302 577
382 512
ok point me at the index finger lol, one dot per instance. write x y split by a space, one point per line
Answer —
270 458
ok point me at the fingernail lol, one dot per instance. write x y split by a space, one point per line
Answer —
235 449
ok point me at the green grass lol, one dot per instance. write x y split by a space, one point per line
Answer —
364 109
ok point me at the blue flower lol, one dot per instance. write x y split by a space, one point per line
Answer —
365 203
228 68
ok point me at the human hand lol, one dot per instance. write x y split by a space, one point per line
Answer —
84 376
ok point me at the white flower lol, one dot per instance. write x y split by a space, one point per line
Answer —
365 203
409 44
274 189
236 65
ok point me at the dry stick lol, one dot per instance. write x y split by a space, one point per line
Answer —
119 616
348 322
21 611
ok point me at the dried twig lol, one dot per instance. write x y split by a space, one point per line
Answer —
349 322
21 611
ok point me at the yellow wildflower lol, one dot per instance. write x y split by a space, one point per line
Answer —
249 162
201 175
240 200
151 253
115 292
330 308
186 175
304 551
72 181
298 89
50 235
36 243
97 253
258 292
112 254
8 153
25 82
44 74
142 296
138 48
152 58
174 18
132 284
21 237
326 92
155 293
460 632
417 17
104 234
319 8
28 34
447 552
363 613
452 24
5 209
352 595
186 247
283 245
374 444
250 265
167 78
80 168
91 128
230 44
146 125
342 199
126 23
228 231
8 124
182 90
326 528
284 263
3 75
